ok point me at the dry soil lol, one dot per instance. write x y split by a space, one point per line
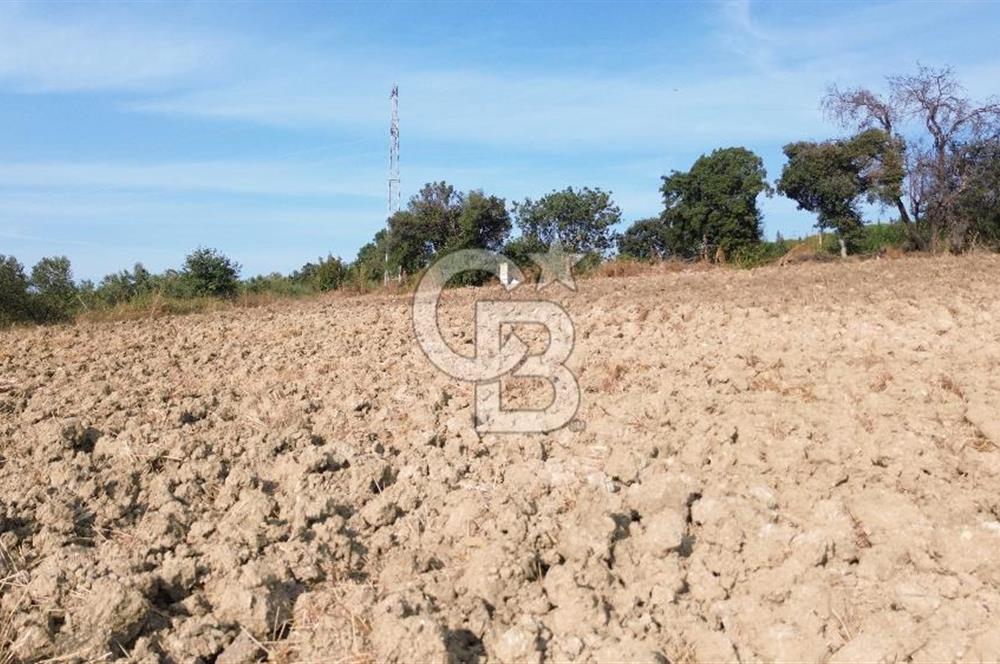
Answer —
794 463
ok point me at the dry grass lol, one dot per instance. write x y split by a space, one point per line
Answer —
881 382
767 384
685 654
158 306
804 253
861 538
621 267
947 383
13 592
8 632
613 375
336 611
981 443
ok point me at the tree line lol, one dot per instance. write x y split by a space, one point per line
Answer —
922 149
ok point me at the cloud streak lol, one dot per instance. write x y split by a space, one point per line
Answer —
99 52
257 178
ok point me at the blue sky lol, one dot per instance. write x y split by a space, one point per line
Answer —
137 131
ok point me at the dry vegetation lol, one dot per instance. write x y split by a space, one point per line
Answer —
783 464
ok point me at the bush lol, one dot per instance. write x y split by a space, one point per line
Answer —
14 299
645 239
53 293
124 286
277 284
876 237
207 272
755 255
327 274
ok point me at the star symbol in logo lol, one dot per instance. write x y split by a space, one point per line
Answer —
557 266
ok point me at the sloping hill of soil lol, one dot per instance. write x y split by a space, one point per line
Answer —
793 463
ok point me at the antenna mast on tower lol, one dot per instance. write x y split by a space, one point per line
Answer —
394 152
393 199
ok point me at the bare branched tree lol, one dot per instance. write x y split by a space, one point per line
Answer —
938 170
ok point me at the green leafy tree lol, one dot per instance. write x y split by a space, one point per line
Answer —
440 219
14 299
519 250
979 202
645 239
207 272
714 205
53 292
483 223
582 221
369 265
424 228
833 178
429 226
326 274
410 242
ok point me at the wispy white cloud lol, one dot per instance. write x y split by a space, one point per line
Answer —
97 51
857 40
259 178
763 83
530 112
766 89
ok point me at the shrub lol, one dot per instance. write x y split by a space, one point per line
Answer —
880 236
14 300
327 274
277 284
755 255
207 272
53 293
124 286
645 239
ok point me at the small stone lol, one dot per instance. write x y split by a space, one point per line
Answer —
517 644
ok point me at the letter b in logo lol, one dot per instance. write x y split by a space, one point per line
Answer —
495 357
